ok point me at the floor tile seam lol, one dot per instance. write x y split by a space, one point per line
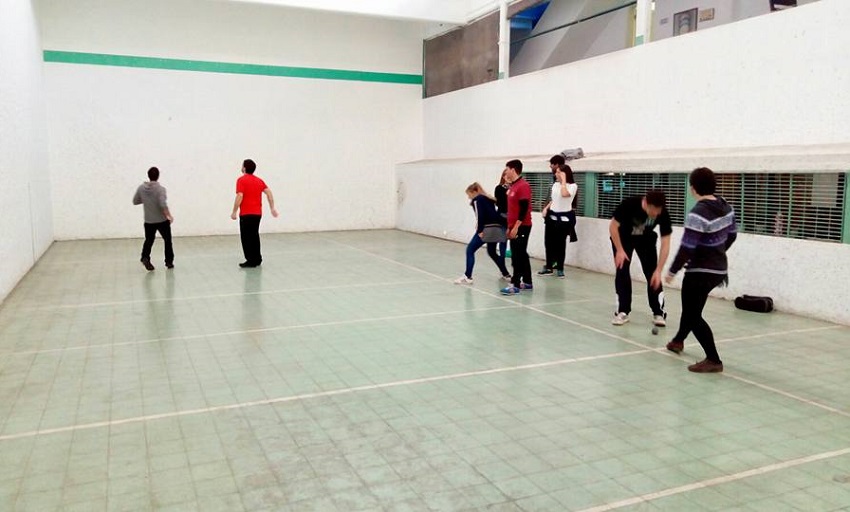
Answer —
660 351
217 296
646 498
260 330
320 394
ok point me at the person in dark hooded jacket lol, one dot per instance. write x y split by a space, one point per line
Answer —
709 232
485 215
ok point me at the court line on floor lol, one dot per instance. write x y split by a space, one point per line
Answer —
183 256
218 296
769 334
659 350
495 296
319 394
718 481
786 394
513 304
772 389
664 352
602 508
260 330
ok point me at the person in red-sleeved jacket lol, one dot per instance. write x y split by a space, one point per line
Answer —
519 228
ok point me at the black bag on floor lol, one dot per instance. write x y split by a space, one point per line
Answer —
754 303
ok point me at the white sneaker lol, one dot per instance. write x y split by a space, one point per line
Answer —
620 318
659 321
463 280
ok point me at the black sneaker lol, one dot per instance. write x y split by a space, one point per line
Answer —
147 264
246 264
169 265
546 272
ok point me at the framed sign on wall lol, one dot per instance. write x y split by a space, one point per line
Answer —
685 21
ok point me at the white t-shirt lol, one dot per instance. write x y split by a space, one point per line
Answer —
562 204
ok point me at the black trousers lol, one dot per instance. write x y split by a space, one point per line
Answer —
249 231
555 241
164 229
695 289
520 261
644 246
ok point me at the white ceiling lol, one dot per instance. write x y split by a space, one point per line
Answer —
441 11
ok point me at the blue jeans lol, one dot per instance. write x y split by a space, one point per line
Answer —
498 258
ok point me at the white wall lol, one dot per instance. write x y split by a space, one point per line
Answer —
325 147
800 275
765 81
25 216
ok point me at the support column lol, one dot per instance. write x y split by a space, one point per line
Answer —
591 196
504 40
643 21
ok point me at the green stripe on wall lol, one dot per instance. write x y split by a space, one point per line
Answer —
129 61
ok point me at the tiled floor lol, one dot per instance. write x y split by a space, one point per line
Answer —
348 373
